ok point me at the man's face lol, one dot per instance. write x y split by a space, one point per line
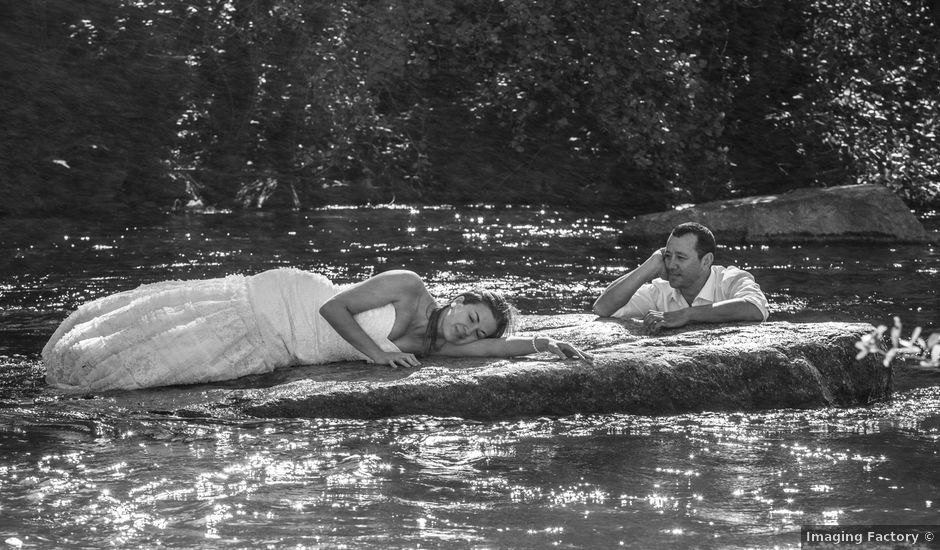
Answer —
684 268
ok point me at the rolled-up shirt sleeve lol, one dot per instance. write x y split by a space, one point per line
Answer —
642 301
739 284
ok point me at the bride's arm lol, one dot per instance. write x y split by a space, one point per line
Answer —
513 346
391 287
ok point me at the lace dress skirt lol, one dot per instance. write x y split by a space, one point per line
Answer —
177 332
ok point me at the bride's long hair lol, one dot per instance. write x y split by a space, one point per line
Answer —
502 310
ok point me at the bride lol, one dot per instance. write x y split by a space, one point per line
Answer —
186 332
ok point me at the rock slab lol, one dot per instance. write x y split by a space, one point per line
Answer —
739 367
851 213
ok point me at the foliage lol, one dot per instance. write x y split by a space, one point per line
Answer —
630 105
278 96
875 95
915 345
84 107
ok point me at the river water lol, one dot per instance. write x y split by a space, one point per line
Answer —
93 471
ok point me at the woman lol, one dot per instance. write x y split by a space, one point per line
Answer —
186 332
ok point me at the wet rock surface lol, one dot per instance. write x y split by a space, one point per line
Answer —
851 213
698 368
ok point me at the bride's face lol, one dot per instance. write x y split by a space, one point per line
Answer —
464 323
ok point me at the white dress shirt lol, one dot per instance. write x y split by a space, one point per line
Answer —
724 283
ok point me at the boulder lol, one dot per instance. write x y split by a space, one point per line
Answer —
851 213
734 367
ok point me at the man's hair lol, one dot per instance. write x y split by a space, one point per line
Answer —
704 239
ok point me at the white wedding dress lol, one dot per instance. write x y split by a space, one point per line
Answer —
187 332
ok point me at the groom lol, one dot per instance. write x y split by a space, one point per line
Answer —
678 284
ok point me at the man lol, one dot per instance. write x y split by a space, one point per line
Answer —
678 284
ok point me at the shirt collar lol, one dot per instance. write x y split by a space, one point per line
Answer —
706 295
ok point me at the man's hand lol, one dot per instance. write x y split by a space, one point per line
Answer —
656 321
622 290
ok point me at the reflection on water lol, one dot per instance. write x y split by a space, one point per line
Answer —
85 471
79 472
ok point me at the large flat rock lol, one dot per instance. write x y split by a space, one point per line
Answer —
851 213
701 368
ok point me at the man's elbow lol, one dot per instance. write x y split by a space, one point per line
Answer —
602 310
755 313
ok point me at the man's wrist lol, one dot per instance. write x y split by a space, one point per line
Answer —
652 272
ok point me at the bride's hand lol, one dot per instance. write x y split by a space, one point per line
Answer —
563 350
397 359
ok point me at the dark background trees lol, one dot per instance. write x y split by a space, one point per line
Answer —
625 106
